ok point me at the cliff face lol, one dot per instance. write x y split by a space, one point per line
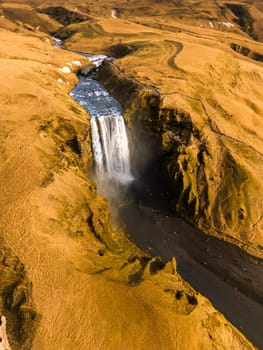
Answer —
86 285
214 176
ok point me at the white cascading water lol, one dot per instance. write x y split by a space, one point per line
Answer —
97 147
109 138
110 148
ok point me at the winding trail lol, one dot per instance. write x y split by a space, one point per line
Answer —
177 47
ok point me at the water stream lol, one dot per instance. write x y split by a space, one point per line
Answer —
156 230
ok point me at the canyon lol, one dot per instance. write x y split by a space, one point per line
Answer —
190 85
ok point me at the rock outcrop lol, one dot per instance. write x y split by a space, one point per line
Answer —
16 303
120 50
63 15
247 52
87 69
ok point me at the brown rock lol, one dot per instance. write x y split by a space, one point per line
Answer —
87 69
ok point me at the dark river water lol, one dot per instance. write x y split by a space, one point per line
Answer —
228 277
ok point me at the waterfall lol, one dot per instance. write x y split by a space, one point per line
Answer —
58 42
97 147
109 138
110 148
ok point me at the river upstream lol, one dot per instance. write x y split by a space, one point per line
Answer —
227 276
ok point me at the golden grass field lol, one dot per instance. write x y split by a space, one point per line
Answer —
88 285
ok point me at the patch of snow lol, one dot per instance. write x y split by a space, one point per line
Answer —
65 69
4 344
76 63
227 24
61 81
114 13
69 64
211 24
96 59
